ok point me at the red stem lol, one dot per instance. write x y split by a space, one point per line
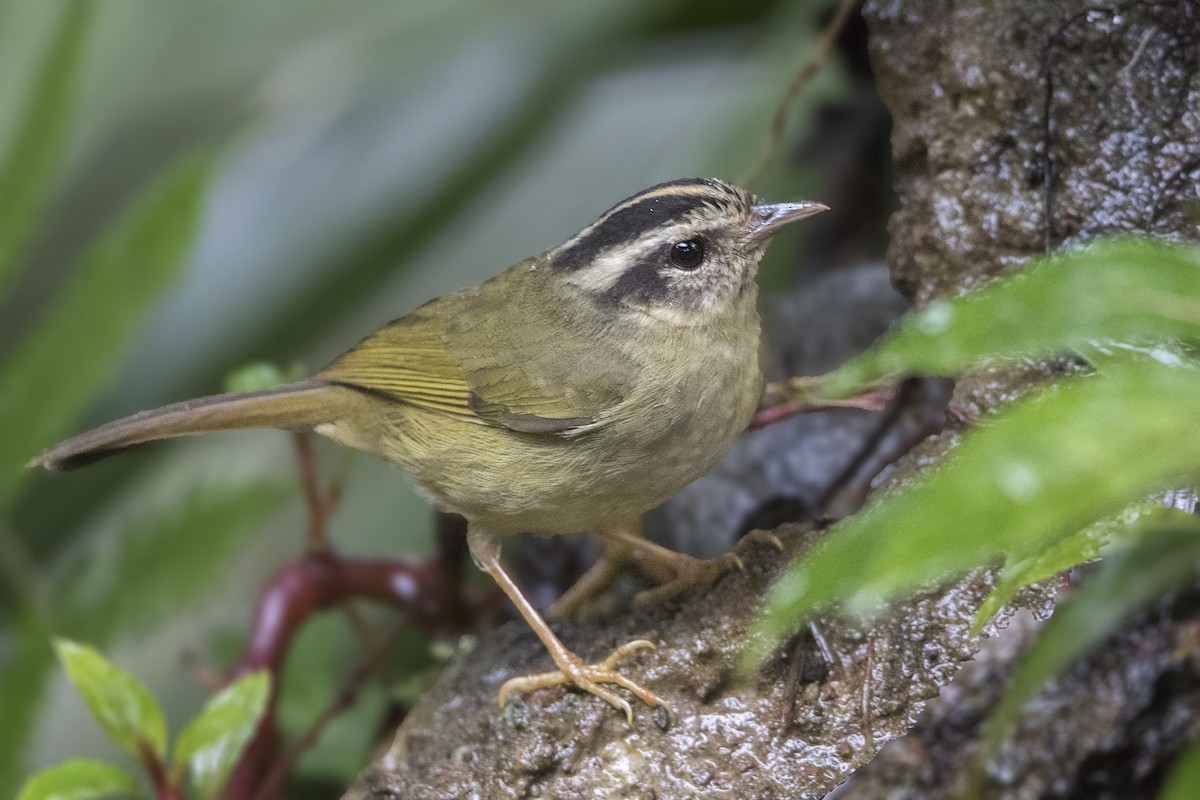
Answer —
163 788
317 582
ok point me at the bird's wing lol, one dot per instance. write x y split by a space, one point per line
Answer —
518 365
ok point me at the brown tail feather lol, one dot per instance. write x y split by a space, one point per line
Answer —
296 406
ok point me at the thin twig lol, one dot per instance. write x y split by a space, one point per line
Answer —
342 701
874 400
321 505
795 677
868 685
156 771
318 511
832 657
300 589
359 624
806 73
1126 72
209 678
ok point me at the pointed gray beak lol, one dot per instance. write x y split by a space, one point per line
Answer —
770 217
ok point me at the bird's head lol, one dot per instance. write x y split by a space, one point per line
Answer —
684 251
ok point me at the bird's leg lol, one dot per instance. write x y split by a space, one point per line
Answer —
615 560
591 584
485 549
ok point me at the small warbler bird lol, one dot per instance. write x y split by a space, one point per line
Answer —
572 392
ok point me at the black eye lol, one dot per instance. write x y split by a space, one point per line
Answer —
687 255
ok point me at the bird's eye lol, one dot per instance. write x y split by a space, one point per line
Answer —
687 255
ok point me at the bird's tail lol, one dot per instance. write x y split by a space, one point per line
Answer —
294 406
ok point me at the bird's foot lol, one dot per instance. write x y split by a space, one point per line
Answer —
688 572
673 572
592 678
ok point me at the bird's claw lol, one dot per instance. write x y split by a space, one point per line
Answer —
760 537
590 678
689 571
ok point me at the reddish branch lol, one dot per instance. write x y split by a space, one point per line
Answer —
427 594
318 582
321 504
164 787
794 407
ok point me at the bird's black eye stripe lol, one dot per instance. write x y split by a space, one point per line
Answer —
688 254
627 224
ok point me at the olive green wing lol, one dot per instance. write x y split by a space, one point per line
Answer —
406 361
530 372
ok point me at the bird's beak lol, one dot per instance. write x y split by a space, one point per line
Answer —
770 217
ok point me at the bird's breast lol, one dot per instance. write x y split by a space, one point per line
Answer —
692 399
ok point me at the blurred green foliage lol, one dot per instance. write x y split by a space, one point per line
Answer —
1122 299
1162 556
189 187
1184 780
1048 466
79 779
1043 484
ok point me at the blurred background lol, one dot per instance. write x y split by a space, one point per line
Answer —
188 188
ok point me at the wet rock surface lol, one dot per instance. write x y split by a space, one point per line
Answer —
1020 127
795 731
1111 727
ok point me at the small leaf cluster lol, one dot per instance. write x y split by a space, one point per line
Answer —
205 751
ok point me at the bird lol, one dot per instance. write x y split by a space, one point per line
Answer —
572 392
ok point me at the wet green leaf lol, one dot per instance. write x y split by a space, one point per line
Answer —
123 706
28 169
1127 290
1160 561
1068 552
79 779
70 354
1040 471
212 742
1184 781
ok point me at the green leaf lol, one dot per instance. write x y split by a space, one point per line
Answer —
213 741
1119 290
28 169
1184 781
79 779
1042 470
1070 551
72 352
122 705
1162 560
